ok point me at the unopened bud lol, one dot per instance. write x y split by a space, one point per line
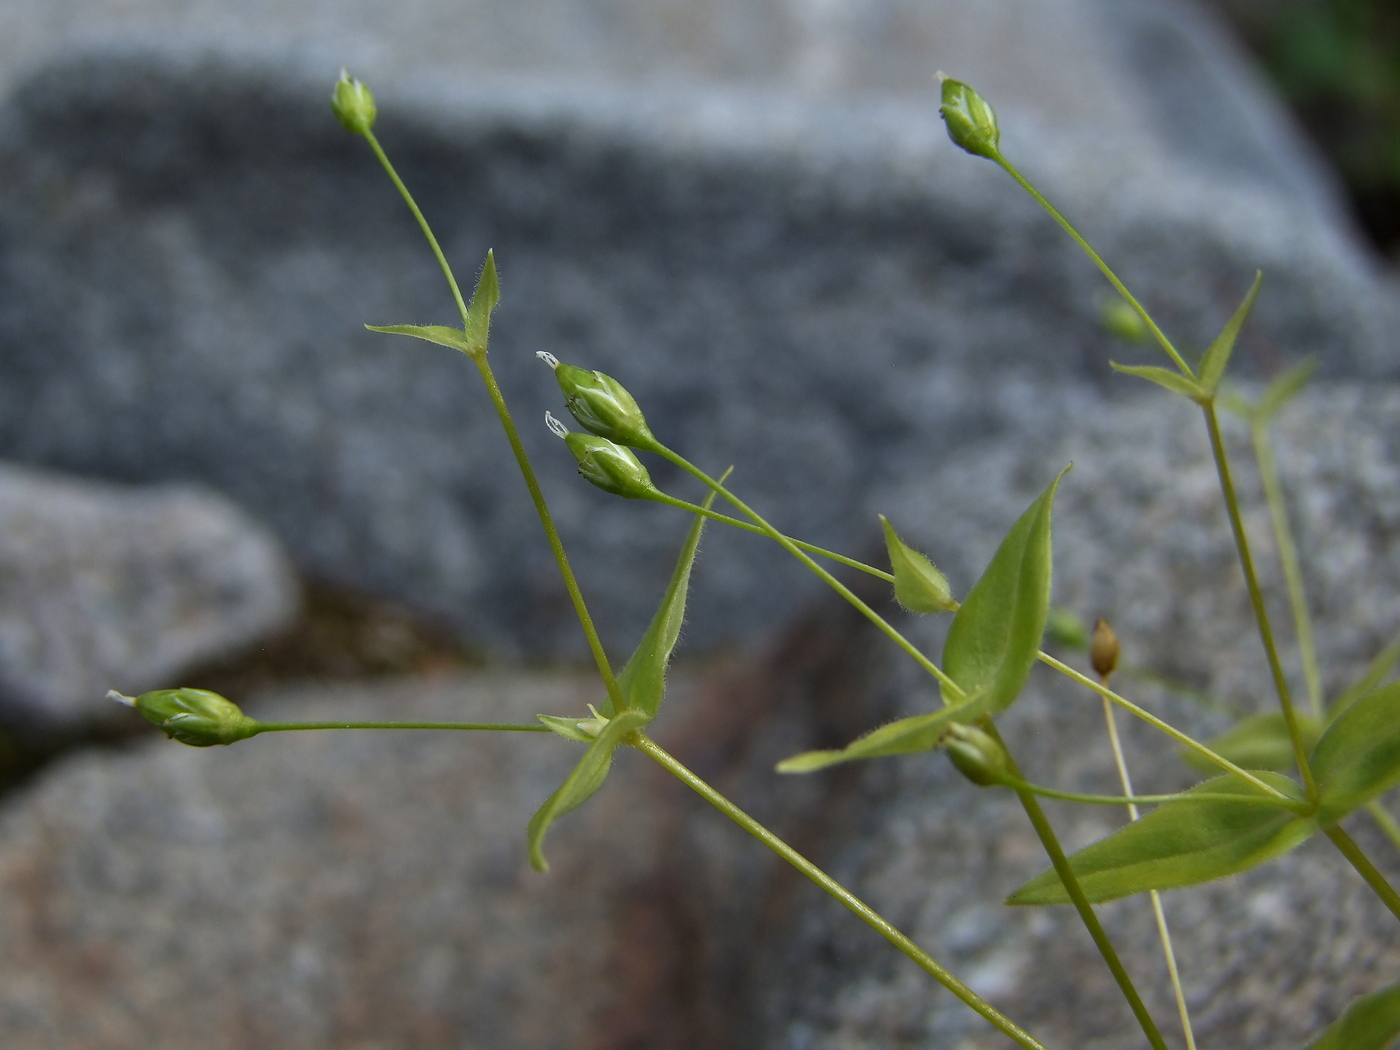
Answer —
1103 649
601 404
609 466
353 104
972 123
977 755
1064 627
192 716
1121 320
919 586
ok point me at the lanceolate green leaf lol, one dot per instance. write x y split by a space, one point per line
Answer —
1173 381
586 778
919 733
995 636
1284 387
1260 742
1376 671
643 681
433 333
1369 1023
1358 757
1182 843
484 300
1218 354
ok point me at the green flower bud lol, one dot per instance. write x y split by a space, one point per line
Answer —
1064 627
606 464
353 104
972 123
601 404
1121 320
976 754
192 716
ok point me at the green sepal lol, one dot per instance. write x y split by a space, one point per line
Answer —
1217 356
996 634
1182 843
433 333
585 779
918 584
569 728
1368 1023
906 736
971 121
1258 742
484 299
1358 757
1164 377
643 681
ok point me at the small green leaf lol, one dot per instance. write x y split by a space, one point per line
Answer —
643 681
1258 742
1284 387
1369 1023
1376 672
1218 355
906 736
1182 843
1173 381
586 778
995 636
918 585
433 333
484 300
1358 757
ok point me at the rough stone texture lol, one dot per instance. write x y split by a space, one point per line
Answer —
348 890
1141 537
113 587
746 211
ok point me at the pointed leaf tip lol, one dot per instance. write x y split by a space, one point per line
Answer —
1163 377
433 333
1370 1023
918 584
1218 354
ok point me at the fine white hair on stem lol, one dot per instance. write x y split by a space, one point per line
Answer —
556 428
547 358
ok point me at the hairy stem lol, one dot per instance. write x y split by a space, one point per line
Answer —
492 727
849 900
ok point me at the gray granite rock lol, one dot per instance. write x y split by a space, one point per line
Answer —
1268 958
107 586
748 212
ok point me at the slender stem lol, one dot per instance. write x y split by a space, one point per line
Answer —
1166 727
595 644
1256 598
849 900
1063 869
1134 801
950 688
1384 821
498 727
695 508
422 222
1364 867
1157 333
1288 556
1120 760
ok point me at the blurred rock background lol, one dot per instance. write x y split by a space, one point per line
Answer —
747 211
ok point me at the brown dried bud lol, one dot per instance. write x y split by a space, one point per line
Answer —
1103 649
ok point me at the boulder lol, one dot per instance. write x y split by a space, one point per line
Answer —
118 587
749 215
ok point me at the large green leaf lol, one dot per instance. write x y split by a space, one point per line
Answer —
643 681
1369 1023
919 586
1218 354
1358 757
1182 843
586 778
995 635
1259 742
1173 381
908 735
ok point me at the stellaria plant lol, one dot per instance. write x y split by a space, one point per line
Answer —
1277 779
